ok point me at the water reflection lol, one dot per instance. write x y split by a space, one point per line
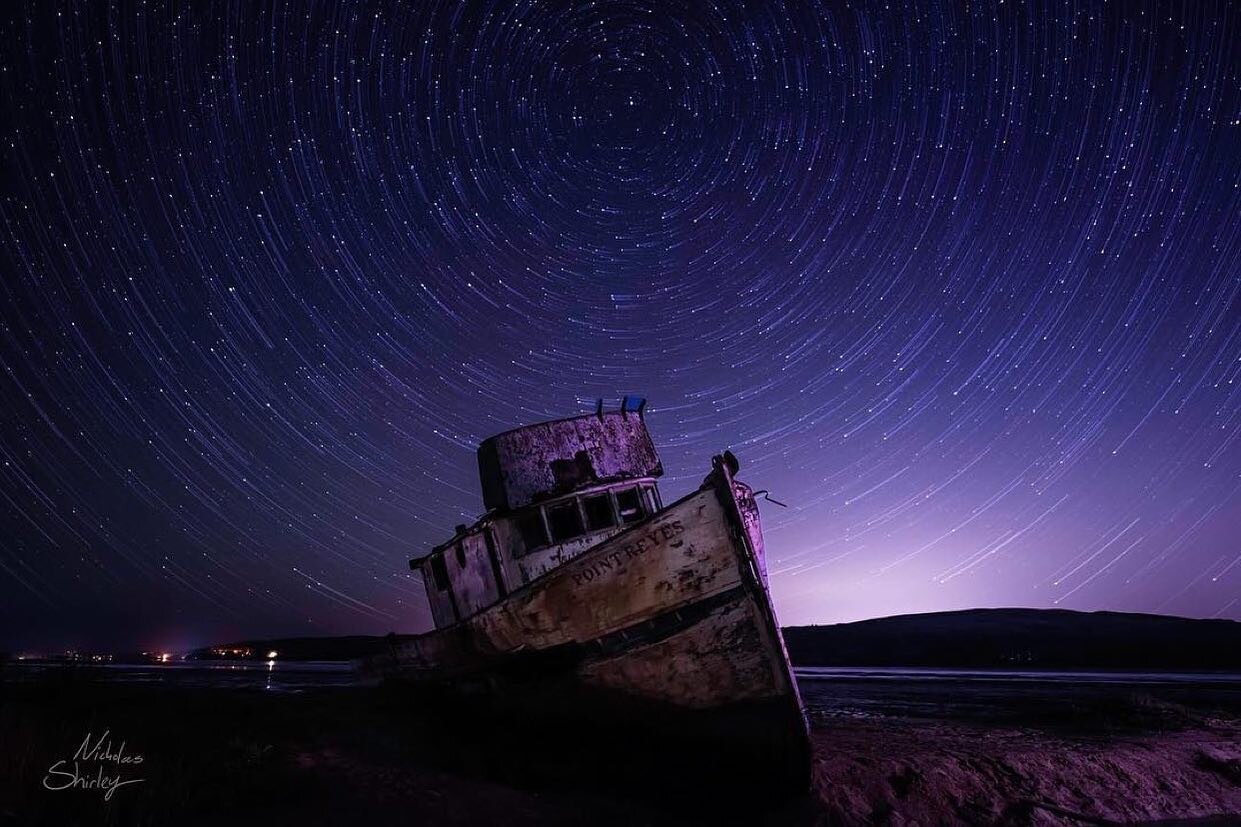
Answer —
270 675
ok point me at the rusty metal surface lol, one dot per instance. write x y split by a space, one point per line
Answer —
730 491
719 660
540 461
748 508
681 557
471 577
538 563
469 570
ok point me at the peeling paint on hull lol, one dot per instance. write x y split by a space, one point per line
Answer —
671 616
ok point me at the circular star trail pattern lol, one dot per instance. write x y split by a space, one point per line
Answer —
958 283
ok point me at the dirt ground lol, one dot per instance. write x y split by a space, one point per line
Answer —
921 773
360 756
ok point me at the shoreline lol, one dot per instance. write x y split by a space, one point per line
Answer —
367 755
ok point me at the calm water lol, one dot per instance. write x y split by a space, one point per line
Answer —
1019 696
287 676
906 674
940 694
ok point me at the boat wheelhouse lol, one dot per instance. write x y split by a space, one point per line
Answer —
552 490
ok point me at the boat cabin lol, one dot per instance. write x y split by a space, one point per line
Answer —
552 490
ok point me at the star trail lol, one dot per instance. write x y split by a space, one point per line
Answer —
959 283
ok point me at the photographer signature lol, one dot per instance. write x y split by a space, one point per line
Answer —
86 769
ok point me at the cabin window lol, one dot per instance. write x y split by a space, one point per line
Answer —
460 556
533 532
653 497
439 572
565 521
599 513
629 505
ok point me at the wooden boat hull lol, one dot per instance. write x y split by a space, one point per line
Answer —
664 628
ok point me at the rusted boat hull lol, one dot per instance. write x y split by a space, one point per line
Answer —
666 628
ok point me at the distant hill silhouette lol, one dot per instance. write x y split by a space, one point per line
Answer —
1036 638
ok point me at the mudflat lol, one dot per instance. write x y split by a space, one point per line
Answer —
889 749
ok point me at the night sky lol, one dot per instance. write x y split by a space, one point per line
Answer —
960 284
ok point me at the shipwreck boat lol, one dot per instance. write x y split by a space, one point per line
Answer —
580 596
